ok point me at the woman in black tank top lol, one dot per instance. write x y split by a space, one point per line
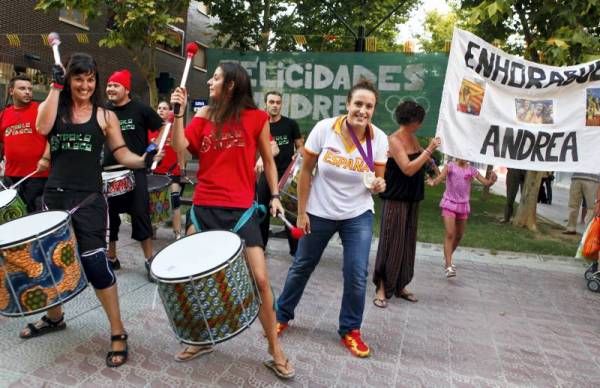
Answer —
77 128
405 177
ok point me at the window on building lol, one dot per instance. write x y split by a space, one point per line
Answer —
200 57
175 46
74 18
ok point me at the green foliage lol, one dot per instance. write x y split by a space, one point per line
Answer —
558 32
271 24
138 26
438 30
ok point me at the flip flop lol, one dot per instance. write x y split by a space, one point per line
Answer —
275 367
409 296
381 303
179 357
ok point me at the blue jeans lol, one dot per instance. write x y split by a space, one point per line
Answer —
356 234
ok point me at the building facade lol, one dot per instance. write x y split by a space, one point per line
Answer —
24 49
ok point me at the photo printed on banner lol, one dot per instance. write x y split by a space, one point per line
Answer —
534 111
470 97
593 107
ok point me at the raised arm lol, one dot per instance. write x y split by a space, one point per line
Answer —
179 142
47 112
487 181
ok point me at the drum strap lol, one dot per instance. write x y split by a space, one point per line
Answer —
260 209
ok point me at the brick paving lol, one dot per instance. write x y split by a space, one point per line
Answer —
505 320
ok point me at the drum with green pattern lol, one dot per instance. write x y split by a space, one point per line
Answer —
11 206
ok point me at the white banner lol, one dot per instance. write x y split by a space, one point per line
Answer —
503 110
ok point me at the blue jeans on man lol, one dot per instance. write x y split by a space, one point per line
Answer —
356 234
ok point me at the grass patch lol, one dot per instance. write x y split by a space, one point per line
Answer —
484 230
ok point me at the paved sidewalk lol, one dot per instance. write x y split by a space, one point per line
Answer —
505 320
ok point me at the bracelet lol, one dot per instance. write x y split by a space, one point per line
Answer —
273 196
57 86
179 116
45 158
428 152
119 147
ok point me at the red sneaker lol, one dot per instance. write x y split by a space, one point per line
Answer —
281 327
353 341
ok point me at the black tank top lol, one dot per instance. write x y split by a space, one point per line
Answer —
401 187
76 151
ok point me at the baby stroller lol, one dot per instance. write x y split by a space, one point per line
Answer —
592 276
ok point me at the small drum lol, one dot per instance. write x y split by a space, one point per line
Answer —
39 263
11 206
160 202
117 182
288 189
206 287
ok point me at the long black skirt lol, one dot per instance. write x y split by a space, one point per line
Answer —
395 263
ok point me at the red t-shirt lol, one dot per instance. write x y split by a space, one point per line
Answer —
226 175
23 145
168 164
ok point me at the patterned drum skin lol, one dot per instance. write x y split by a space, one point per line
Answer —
11 206
288 189
160 201
212 307
38 269
117 182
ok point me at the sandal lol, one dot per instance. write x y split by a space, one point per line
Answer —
117 353
48 326
280 369
186 354
381 303
409 296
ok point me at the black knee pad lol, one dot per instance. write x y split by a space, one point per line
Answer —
175 200
97 269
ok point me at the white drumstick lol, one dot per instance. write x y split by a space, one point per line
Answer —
114 167
163 139
23 179
54 41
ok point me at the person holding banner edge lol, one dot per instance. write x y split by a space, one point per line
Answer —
405 172
225 136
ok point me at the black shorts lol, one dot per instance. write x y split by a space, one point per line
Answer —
89 221
211 218
136 203
30 191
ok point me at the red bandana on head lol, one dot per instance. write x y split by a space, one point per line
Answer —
122 77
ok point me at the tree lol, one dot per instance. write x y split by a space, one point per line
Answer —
271 24
138 26
557 33
438 31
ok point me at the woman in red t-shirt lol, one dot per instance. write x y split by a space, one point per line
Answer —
225 136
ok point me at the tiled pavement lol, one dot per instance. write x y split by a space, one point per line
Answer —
505 320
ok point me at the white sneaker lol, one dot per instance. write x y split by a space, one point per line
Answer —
450 272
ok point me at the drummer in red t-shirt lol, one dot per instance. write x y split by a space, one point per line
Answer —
172 164
225 136
24 149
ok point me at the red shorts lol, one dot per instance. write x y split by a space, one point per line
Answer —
455 215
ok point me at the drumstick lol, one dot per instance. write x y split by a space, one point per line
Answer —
295 231
163 139
54 41
23 179
114 167
191 49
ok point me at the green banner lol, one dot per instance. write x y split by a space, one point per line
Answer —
315 85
